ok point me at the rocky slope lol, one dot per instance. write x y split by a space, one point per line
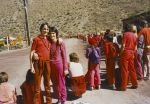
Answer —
69 16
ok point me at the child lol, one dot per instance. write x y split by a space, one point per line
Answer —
27 88
111 55
7 90
78 85
93 75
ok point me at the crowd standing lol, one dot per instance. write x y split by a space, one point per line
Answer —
48 59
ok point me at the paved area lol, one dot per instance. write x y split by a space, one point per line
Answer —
16 63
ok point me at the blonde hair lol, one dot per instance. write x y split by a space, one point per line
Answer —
134 29
74 57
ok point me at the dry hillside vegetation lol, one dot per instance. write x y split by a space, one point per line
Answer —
69 16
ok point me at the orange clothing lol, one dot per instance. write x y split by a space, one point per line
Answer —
146 33
111 54
110 50
130 41
42 47
127 68
127 60
78 85
42 68
27 90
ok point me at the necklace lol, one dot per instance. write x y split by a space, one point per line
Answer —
46 43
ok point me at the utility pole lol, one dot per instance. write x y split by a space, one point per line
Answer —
26 22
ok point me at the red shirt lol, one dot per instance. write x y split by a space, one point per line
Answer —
42 47
146 33
27 90
130 40
110 50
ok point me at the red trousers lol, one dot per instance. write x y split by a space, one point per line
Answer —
110 68
127 68
42 68
78 85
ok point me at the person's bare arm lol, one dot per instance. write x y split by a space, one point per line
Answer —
33 57
122 48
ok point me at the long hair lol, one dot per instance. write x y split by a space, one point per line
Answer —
54 29
29 76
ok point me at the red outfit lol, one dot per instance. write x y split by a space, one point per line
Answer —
111 54
146 33
28 93
42 67
78 85
127 60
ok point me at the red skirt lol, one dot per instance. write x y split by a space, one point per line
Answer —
78 85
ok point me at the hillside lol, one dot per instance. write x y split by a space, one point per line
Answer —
69 16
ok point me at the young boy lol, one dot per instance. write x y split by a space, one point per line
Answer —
78 84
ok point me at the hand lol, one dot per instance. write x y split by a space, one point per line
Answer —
35 56
66 72
60 40
32 70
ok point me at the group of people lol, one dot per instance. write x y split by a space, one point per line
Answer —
48 59
130 51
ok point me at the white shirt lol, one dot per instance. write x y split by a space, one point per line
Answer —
115 40
75 69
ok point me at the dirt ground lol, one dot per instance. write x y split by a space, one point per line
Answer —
16 63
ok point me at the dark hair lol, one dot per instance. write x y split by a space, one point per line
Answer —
3 77
107 30
74 57
142 23
109 37
0 78
119 39
29 76
53 29
128 27
42 25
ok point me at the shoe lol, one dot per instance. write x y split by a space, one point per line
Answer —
112 87
91 88
146 78
58 102
120 89
62 102
134 87
98 87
